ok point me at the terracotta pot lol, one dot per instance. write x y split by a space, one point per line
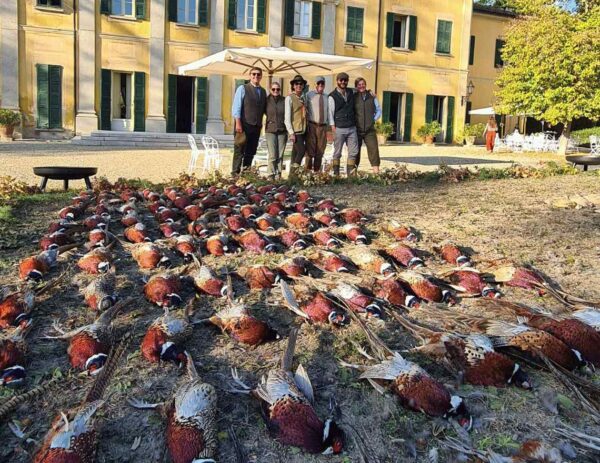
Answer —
470 141
6 132
428 140
381 139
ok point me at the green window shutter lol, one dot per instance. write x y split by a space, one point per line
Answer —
289 17
139 102
354 26
172 103
239 83
412 33
444 35
42 96
315 29
498 62
105 7
172 10
54 97
408 110
232 15
261 16
450 121
203 12
389 30
140 9
469 105
472 51
359 24
201 104
428 108
105 98
385 106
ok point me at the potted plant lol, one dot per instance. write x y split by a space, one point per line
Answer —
8 121
384 130
428 131
471 132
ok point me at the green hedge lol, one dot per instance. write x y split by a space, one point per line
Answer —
582 137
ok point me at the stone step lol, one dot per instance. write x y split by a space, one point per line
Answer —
143 140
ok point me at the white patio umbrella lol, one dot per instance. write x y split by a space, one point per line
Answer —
275 61
489 111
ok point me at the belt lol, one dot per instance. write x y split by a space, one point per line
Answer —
317 124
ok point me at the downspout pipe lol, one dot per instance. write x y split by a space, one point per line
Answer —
378 48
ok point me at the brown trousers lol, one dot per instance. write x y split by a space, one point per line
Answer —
316 142
370 140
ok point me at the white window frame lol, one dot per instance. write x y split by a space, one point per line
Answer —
187 3
406 31
298 18
122 4
245 18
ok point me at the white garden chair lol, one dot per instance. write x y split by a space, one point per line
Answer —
212 154
194 155
261 158
500 145
594 145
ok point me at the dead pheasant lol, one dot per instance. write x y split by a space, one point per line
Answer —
327 205
16 307
356 300
218 245
185 246
323 237
35 267
392 291
249 211
136 233
89 345
415 388
72 437
236 223
191 415
149 256
171 229
163 290
332 262
317 308
265 223
400 232
293 267
369 260
472 356
199 228
470 283
404 255
258 276
354 233
299 221
253 242
97 261
453 254
55 240
287 400
424 288
292 240
590 316
275 209
325 218
164 336
13 350
100 293
206 280
130 218
352 215
193 212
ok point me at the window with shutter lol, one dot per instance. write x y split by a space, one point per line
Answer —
201 104
444 37
412 33
247 15
469 105
49 96
172 103
140 9
105 7
315 29
498 61
42 96
354 24
472 51
450 120
50 3
429 108
187 12
302 18
232 14
408 110
139 102
385 106
203 12
399 25
105 98
261 16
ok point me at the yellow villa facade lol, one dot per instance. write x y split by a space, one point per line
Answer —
76 66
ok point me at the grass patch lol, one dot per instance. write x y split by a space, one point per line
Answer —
6 214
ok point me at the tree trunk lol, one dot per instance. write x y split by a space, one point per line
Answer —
563 141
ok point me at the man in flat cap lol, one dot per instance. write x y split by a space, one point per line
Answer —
343 123
316 135
295 122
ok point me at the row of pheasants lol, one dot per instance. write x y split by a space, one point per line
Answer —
315 240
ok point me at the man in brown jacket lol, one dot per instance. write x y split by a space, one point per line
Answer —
317 111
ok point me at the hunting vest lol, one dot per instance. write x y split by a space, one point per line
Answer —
275 114
253 107
365 111
298 114
343 115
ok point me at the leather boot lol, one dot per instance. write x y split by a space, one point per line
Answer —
294 170
336 167
351 170
308 163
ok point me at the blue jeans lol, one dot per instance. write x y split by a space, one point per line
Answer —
275 149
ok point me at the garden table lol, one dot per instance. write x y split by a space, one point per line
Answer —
65 174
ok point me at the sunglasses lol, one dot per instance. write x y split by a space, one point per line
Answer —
321 83
255 74
298 83
343 80
275 89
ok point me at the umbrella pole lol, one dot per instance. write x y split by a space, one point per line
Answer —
270 79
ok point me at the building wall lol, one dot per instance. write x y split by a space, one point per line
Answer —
48 36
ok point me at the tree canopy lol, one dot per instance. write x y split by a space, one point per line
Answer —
552 61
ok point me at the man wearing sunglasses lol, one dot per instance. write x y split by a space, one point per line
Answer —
343 123
249 107
295 122
316 134
275 132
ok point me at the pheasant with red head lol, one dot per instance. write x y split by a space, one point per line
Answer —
89 345
395 293
236 223
356 300
332 262
55 240
149 256
164 336
287 400
163 290
352 215
136 233
400 232
13 350
453 254
404 255
317 308
324 237
424 288
35 267
354 233
254 242
16 307
292 240
470 283
191 432
97 261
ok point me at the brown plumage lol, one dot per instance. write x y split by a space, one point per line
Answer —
404 255
162 339
356 300
237 323
317 307
471 283
13 350
258 276
16 307
149 256
332 262
163 290
265 222
275 209
218 245
171 229
400 232
254 242
325 218
299 221
193 212
100 293
35 267
395 293
367 259
55 239
206 281
292 240
352 215
354 233
199 228
453 254
327 205
185 246
236 223
424 288
323 237
136 233
293 267
96 261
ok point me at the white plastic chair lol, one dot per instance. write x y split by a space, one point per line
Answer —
327 157
212 154
261 158
194 155
594 145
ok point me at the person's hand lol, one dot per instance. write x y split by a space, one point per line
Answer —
333 128
293 137
238 126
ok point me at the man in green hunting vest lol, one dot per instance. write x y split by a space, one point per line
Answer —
295 122
366 110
